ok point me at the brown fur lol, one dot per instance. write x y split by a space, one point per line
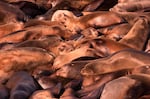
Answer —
115 32
96 19
22 59
126 59
122 88
134 6
63 59
9 28
139 32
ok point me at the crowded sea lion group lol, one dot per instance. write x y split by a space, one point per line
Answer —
75 49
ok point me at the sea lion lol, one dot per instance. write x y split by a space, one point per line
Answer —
10 27
96 19
21 85
115 32
30 9
71 70
63 59
32 33
105 47
132 7
26 58
130 89
4 92
46 43
10 13
139 32
125 59
143 78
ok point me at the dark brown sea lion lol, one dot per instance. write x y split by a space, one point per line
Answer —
17 59
10 13
36 32
4 92
46 43
21 85
122 88
138 34
31 10
121 60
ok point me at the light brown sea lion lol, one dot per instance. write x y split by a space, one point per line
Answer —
16 37
96 19
63 59
115 32
122 88
138 35
35 22
105 46
26 58
37 32
46 43
71 70
134 6
125 59
50 30
10 27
